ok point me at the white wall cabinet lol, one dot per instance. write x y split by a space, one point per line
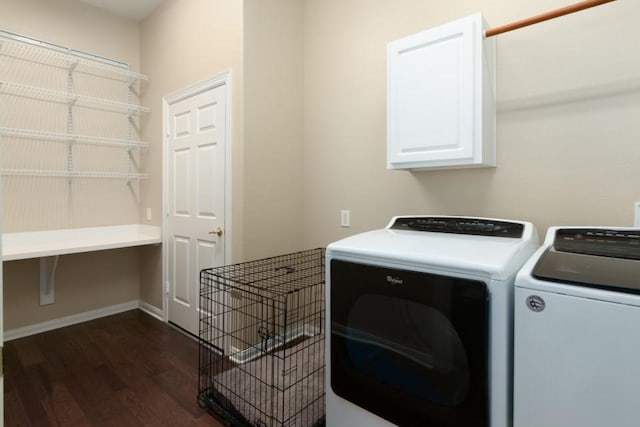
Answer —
441 98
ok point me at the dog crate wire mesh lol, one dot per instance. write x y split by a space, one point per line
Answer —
262 341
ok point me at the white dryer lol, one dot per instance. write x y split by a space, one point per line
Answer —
419 322
577 330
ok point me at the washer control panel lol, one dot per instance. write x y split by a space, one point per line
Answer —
460 225
599 242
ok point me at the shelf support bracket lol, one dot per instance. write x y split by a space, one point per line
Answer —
48 266
132 159
72 66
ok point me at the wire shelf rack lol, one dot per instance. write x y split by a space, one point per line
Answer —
73 174
57 56
11 88
70 130
68 137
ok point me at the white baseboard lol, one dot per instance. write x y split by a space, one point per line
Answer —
151 310
49 325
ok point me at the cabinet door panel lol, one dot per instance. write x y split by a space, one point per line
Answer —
435 90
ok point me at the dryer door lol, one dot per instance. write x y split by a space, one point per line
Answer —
409 346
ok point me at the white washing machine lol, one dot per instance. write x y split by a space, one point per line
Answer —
419 322
577 330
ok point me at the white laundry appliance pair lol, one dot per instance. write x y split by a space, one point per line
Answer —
419 325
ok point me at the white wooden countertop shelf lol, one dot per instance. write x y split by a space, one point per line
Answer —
37 244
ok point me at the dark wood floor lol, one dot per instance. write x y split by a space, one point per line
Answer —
124 370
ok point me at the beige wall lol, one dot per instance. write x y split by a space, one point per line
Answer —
181 43
74 24
309 122
568 101
87 281
273 138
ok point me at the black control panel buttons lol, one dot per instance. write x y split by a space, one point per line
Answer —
624 243
459 225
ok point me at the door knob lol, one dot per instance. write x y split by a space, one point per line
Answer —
217 231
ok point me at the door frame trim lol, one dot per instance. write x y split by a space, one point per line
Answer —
220 79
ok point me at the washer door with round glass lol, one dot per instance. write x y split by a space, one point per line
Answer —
408 346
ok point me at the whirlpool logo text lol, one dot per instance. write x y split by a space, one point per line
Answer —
394 280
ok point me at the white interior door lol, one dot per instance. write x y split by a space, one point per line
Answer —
196 198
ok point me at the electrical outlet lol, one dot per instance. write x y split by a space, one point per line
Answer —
345 218
148 214
636 214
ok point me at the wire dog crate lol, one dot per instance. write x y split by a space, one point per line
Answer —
262 341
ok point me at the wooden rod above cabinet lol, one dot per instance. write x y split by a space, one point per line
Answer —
545 16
